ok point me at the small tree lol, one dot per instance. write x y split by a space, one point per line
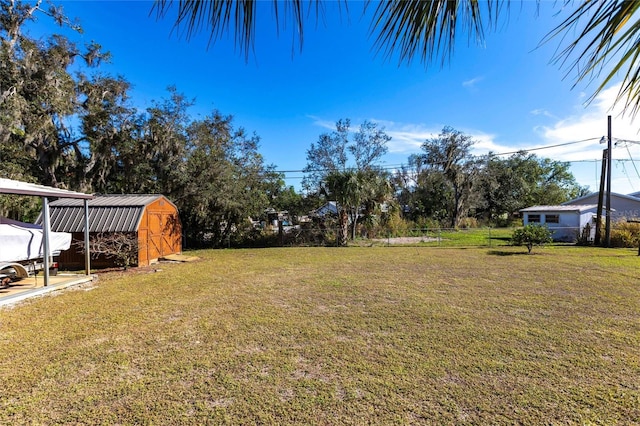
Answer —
122 247
531 235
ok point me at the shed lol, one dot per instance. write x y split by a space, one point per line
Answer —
565 221
152 218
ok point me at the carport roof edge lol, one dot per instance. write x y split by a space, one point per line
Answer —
10 186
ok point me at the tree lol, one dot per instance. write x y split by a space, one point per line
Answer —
107 125
38 92
523 180
352 184
606 31
122 247
344 187
227 180
449 156
337 152
531 235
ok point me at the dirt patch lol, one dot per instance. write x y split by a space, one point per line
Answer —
406 240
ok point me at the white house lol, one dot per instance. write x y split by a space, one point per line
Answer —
565 221
622 206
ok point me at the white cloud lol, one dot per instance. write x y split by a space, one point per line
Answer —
590 123
325 124
407 138
472 82
544 113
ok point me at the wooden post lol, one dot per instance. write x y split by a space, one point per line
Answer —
607 231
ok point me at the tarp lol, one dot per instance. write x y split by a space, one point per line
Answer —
21 241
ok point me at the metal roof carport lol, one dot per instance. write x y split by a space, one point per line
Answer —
10 186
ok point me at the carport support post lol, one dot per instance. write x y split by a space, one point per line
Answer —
87 257
45 239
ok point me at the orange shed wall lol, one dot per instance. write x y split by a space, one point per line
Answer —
143 238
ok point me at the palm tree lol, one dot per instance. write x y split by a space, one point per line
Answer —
345 189
355 191
376 191
606 31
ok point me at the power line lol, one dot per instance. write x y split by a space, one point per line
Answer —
546 147
394 167
632 162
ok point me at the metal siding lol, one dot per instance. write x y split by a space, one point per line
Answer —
101 219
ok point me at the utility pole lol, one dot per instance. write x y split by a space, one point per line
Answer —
607 233
603 175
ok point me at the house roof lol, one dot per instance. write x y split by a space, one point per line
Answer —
10 186
107 213
576 201
561 208
329 208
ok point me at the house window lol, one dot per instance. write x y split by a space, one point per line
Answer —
552 218
534 218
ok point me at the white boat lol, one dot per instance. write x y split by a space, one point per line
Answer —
21 247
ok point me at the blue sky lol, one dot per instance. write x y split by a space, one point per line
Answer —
506 93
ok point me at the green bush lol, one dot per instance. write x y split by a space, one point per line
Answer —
531 235
395 225
625 234
468 222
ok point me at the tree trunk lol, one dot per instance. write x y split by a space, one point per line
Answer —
343 231
455 217
354 225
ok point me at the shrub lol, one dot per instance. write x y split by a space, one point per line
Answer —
122 247
625 234
622 238
531 235
468 222
395 225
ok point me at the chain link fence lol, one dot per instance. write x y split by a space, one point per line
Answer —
423 237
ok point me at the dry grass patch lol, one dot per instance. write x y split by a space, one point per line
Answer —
336 336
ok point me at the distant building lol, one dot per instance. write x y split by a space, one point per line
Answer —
622 206
328 209
566 222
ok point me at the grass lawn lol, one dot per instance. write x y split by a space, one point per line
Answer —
375 335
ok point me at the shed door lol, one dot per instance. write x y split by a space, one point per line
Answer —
154 236
162 231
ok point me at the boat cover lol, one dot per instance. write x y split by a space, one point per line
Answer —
21 241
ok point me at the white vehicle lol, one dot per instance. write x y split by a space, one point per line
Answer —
21 249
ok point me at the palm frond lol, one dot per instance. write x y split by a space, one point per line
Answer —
609 43
238 17
217 16
428 28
